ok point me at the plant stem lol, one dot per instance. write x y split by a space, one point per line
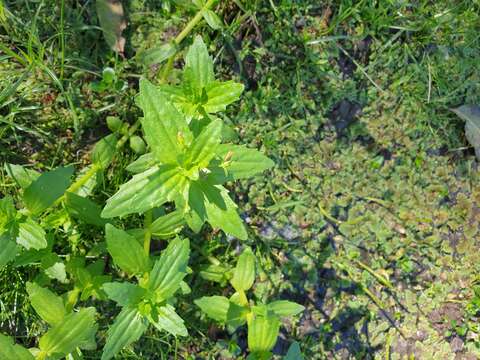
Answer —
183 34
148 231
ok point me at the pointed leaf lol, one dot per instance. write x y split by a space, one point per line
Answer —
212 19
222 94
8 250
126 252
242 161
294 352
166 319
49 306
203 148
158 54
147 190
244 273
199 65
21 175
49 186
75 330
168 225
285 308
216 307
262 333
162 123
10 351
170 269
124 294
31 235
104 151
143 163
128 327
84 209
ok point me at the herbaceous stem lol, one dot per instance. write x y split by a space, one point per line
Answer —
148 231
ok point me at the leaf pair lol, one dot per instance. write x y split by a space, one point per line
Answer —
147 302
199 93
68 330
263 320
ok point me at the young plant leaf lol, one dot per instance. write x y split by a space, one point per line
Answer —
162 124
49 186
168 225
147 190
170 269
215 307
222 94
244 273
285 308
263 333
199 66
74 331
294 352
8 250
31 235
124 294
243 162
167 319
21 175
212 19
143 163
11 351
128 327
126 252
204 146
158 54
236 315
49 306
104 151
84 209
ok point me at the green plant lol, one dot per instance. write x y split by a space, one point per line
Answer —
189 159
263 320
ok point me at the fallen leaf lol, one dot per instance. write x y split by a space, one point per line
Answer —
471 115
112 21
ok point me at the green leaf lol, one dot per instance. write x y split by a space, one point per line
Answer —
49 186
143 163
242 162
244 273
204 146
214 204
21 175
54 268
104 151
285 308
31 235
236 315
128 327
212 19
198 65
217 273
158 54
84 209
163 125
124 294
147 190
215 307
111 18
168 225
74 331
126 252
262 333
8 250
10 351
294 352
222 94
471 115
170 269
49 306
165 318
